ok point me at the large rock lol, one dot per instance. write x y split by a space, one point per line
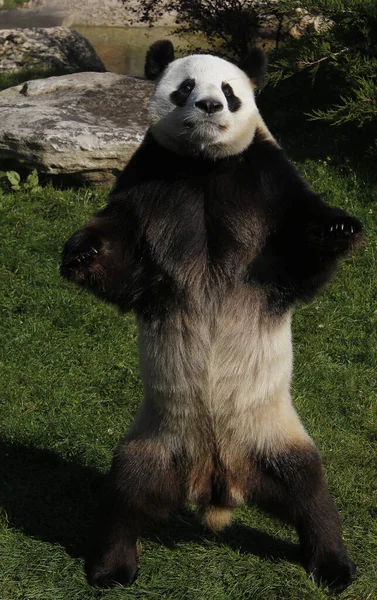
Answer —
52 47
85 125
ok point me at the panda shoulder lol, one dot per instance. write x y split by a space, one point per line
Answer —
278 175
150 162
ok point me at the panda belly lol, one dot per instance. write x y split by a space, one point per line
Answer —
212 375
216 386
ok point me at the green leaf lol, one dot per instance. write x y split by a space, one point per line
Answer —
32 180
2 174
13 178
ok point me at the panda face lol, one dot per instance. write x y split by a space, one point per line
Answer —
204 106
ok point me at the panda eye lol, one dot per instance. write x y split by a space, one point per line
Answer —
187 86
233 102
227 90
180 96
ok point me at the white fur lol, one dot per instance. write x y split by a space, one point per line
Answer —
219 378
188 130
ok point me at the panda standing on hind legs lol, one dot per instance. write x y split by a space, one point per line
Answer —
211 237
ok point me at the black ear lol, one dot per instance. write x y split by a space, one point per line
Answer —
255 66
159 55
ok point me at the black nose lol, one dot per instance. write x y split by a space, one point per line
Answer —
209 106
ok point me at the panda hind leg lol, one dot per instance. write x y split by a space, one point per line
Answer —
143 484
287 481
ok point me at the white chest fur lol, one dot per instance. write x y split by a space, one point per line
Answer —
218 375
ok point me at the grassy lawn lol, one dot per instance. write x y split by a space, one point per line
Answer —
70 387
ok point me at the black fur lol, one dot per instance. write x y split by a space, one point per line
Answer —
292 487
138 488
234 103
255 66
251 218
180 96
159 55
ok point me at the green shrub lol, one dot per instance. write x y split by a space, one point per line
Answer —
328 74
339 63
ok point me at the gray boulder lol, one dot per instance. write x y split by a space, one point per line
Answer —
51 47
84 126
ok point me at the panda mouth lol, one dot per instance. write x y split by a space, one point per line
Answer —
207 123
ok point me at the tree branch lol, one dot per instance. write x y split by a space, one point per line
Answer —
304 64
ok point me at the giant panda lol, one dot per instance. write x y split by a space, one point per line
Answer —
211 237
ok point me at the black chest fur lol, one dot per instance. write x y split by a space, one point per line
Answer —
177 230
196 224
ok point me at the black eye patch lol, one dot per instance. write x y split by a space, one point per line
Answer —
179 97
233 102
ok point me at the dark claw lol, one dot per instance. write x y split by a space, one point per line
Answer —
80 259
337 230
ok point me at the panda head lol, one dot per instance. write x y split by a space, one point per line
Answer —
203 105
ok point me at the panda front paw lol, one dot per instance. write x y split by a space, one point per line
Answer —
79 255
83 258
337 233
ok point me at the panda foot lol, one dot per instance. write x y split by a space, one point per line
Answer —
337 572
106 575
108 578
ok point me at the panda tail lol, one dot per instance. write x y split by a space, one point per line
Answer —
215 518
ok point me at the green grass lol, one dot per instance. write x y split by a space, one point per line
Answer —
69 388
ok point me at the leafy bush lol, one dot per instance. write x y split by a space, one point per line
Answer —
230 26
339 63
328 74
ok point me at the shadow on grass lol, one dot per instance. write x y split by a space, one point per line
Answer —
53 500
46 496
